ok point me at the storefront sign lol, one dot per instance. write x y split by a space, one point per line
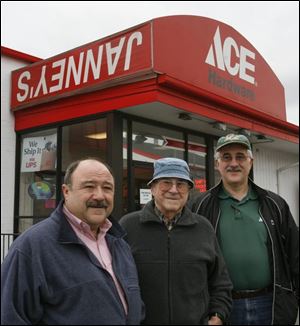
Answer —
200 53
39 153
82 68
200 184
219 61
145 196
236 60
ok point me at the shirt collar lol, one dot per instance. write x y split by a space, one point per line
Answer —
83 226
251 194
168 222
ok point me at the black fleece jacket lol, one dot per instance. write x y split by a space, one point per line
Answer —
182 274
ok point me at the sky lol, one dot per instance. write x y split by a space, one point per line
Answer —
47 28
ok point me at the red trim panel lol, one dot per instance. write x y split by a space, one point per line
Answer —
85 105
163 89
19 55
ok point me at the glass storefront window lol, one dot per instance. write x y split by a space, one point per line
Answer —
37 196
84 139
125 170
39 174
216 171
150 143
197 162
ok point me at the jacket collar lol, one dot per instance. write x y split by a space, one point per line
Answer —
66 233
260 191
148 215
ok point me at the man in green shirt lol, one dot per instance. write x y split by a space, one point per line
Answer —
258 238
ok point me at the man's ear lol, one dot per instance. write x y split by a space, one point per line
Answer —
152 188
251 162
65 190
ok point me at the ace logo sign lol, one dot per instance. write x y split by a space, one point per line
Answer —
229 56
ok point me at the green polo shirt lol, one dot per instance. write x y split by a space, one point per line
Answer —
243 238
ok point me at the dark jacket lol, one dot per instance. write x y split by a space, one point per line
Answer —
283 246
50 277
182 273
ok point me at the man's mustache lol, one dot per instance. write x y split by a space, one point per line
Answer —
97 204
233 170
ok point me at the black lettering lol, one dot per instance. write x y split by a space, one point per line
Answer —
229 85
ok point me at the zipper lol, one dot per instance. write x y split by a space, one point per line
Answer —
219 213
217 221
112 251
169 277
281 221
198 208
274 265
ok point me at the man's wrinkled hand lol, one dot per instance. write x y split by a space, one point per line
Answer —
214 320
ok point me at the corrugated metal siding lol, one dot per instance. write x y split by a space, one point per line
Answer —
288 186
267 174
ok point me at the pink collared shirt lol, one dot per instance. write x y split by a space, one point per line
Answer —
97 246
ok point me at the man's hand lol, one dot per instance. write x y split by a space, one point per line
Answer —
215 320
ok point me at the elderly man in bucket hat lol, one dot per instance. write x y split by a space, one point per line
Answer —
182 274
258 238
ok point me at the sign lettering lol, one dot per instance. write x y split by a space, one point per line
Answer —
82 67
231 58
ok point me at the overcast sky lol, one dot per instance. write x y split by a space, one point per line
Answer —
47 28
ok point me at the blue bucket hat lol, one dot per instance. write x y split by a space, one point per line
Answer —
171 168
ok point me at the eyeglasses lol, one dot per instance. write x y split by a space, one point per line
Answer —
167 184
239 158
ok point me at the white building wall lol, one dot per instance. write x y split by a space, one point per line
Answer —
8 144
288 186
278 171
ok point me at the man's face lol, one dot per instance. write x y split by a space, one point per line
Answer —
170 195
234 164
90 197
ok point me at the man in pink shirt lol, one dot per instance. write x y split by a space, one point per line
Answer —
74 267
89 196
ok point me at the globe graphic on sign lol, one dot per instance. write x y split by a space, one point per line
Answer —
40 190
